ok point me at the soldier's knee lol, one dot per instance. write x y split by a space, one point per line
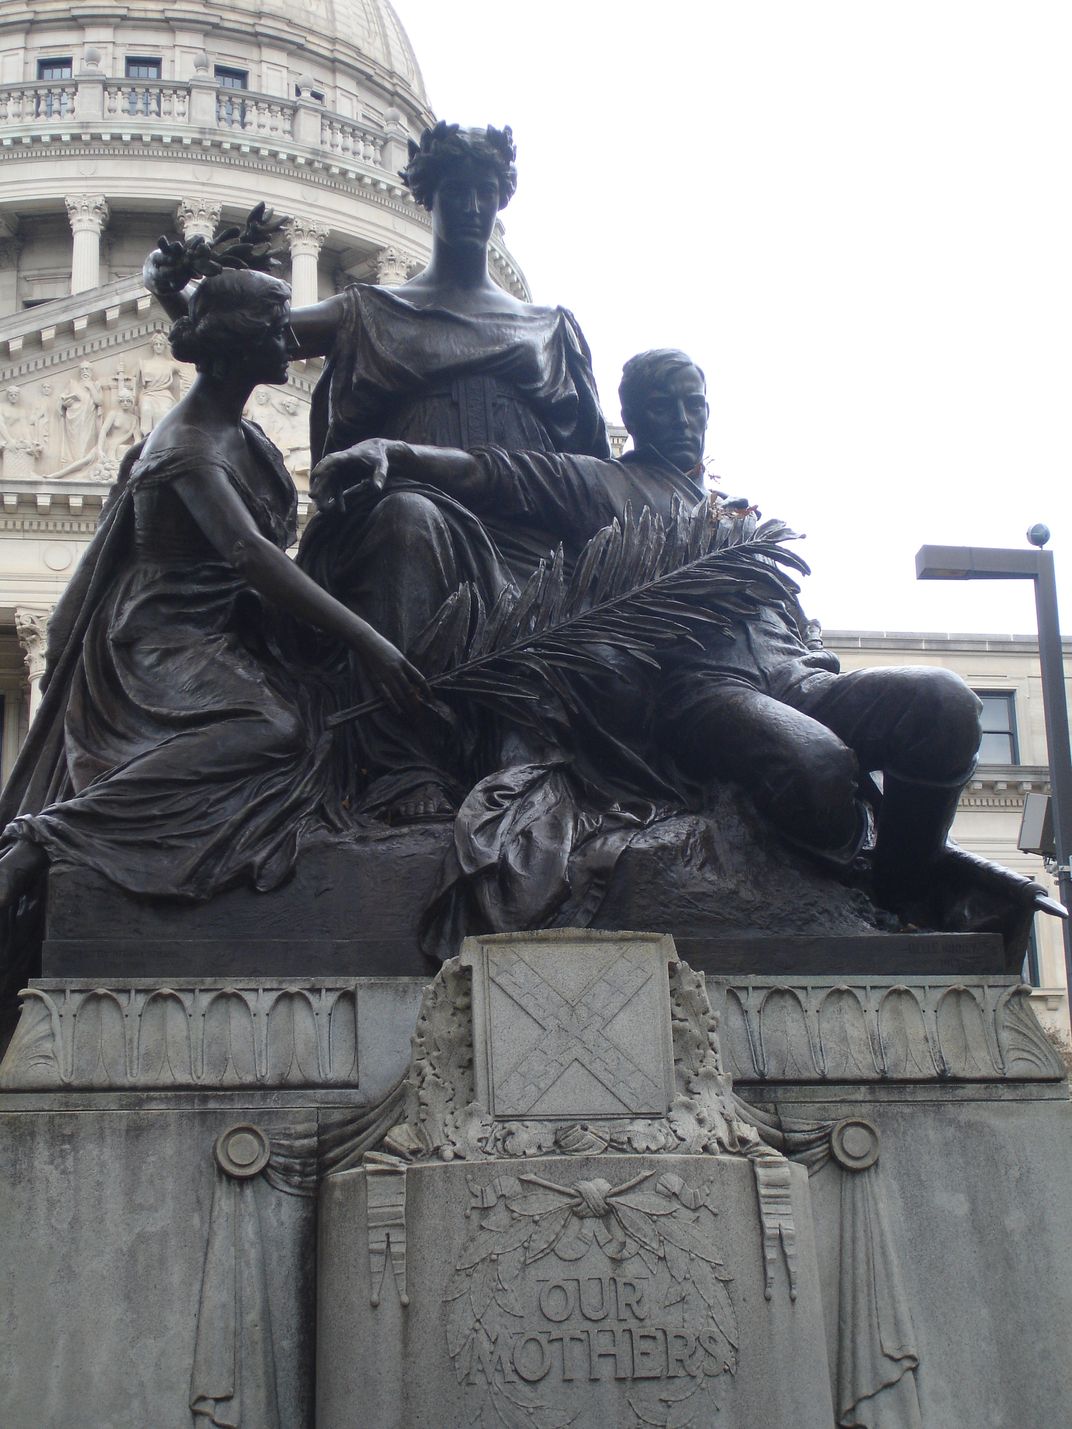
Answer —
942 739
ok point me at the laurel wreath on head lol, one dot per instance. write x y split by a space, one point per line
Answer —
249 245
521 1219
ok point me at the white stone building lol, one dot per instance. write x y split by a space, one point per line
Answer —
1004 671
121 120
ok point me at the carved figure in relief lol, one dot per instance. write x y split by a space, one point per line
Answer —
295 449
42 419
755 703
283 422
80 408
119 431
173 752
18 437
157 385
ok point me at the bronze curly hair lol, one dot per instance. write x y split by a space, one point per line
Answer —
448 145
229 313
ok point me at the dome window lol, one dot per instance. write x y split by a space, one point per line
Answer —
140 67
229 78
54 68
231 111
53 103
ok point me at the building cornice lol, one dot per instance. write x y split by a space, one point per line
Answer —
1003 786
936 641
369 184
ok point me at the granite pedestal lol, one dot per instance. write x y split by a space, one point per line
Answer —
115 1095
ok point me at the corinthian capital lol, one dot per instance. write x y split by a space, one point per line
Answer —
197 217
31 625
88 212
306 236
394 265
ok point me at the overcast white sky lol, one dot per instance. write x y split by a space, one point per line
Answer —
857 217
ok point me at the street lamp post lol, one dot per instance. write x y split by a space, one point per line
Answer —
958 563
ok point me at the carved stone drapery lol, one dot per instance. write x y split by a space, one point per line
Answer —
197 217
88 213
305 237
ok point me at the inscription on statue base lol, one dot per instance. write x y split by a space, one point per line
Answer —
566 1288
556 1291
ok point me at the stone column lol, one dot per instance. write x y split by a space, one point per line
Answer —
197 217
394 265
31 626
88 214
306 238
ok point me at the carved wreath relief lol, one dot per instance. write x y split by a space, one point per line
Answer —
583 1295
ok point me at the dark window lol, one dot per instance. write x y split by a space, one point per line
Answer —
1030 972
232 78
53 103
999 728
54 69
141 68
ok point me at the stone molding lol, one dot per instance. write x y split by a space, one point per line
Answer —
217 1034
507 274
45 513
328 173
210 1035
860 1029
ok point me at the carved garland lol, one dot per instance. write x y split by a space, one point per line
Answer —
666 1230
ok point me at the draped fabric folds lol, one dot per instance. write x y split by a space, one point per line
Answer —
174 752
877 1354
232 1384
232 1379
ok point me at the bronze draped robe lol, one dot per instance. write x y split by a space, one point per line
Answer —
172 750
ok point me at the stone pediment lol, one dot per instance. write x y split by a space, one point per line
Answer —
89 383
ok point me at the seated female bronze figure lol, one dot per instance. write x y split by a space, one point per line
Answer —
447 358
173 750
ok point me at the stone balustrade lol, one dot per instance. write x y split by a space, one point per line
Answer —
147 99
94 103
42 104
351 140
255 113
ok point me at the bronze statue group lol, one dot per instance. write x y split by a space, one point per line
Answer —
188 738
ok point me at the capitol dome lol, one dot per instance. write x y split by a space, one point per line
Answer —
121 120
369 28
